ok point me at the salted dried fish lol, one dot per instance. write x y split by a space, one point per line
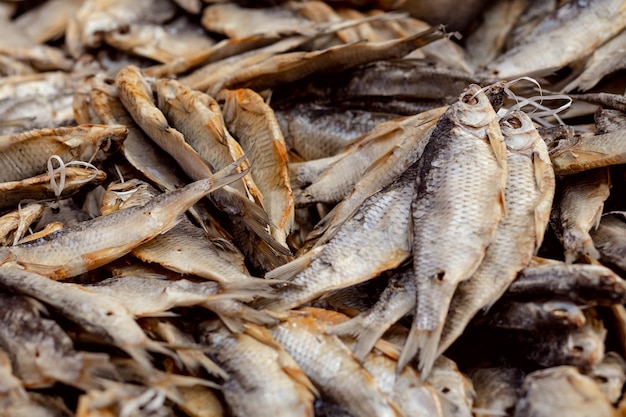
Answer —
47 21
605 60
254 125
534 315
539 54
330 366
484 44
398 142
464 160
610 375
561 389
609 239
96 313
377 235
456 388
41 352
162 44
608 120
97 17
584 284
14 224
528 198
582 153
48 186
26 154
497 389
579 210
289 67
263 379
93 243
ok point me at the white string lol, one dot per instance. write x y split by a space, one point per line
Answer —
58 188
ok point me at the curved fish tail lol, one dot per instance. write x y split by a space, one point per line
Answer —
366 336
423 344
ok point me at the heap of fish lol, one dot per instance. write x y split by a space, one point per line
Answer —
306 208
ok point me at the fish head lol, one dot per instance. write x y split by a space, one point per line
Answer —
473 110
519 132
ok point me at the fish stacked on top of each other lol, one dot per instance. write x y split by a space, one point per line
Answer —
373 183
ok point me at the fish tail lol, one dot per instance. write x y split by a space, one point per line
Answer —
228 174
366 337
425 342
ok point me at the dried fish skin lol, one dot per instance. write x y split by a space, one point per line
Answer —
528 199
26 154
457 390
561 389
608 120
609 239
579 210
581 283
540 53
464 160
254 125
330 366
376 239
95 242
47 21
263 379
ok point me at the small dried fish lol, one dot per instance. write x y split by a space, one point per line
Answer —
254 125
93 243
376 236
561 389
465 160
263 379
582 153
581 283
609 239
330 366
539 54
579 210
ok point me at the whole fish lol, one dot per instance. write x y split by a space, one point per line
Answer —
539 54
93 243
331 367
579 210
561 390
584 284
253 123
465 160
263 379
376 237
26 154
528 199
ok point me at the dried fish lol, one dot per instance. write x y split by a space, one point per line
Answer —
254 125
497 389
263 379
538 53
14 224
456 388
465 160
330 366
96 242
376 237
47 21
26 154
561 389
582 153
609 239
581 283
610 375
579 210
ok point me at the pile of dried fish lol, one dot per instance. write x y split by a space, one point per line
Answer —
299 208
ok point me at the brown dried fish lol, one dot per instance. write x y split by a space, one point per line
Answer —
609 239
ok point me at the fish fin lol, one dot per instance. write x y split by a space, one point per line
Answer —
291 269
409 350
158 314
92 366
169 383
496 141
296 374
424 341
387 348
366 337
262 335
193 358
234 324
